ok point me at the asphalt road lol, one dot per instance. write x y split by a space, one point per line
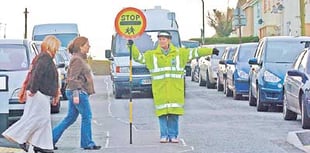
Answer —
212 123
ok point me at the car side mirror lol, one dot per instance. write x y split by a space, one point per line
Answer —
208 58
61 65
297 73
253 61
230 61
222 62
108 54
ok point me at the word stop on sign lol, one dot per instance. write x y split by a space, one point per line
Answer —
130 20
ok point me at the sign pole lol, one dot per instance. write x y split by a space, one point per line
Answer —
130 95
130 23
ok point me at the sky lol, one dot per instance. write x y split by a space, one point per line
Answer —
95 18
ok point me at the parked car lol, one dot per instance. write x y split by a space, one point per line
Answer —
296 90
194 70
222 69
238 70
273 57
189 44
208 66
15 58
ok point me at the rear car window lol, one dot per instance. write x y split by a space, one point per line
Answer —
13 57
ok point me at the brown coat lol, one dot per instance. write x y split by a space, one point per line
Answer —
44 76
80 74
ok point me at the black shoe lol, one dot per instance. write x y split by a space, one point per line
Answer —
24 146
93 148
55 148
40 150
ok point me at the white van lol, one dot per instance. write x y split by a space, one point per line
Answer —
65 32
15 58
157 19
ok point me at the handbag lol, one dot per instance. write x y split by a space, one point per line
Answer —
22 95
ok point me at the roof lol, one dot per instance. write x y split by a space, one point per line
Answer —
52 28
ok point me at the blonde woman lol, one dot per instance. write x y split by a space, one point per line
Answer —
34 127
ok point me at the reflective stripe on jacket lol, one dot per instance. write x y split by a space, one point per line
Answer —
167 73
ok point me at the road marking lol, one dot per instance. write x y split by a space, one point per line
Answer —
107 140
97 123
185 145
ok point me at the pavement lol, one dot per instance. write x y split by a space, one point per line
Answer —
8 147
300 139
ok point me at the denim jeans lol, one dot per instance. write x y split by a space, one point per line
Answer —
169 126
74 110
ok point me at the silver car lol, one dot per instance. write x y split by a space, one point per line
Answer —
208 66
15 58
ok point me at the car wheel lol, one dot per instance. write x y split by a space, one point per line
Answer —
229 93
252 99
288 114
208 83
305 120
260 106
117 94
193 76
236 96
219 86
201 82
224 86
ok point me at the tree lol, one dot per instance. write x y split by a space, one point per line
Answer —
220 22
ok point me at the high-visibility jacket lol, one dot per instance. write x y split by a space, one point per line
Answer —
167 72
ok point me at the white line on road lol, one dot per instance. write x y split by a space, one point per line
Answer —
184 144
97 123
107 140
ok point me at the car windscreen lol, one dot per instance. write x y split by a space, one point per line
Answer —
147 41
59 58
190 44
13 57
246 52
64 38
283 51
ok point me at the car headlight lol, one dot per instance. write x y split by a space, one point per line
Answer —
269 77
15 93
242 74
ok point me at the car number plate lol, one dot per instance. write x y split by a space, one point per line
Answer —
146 81
3 83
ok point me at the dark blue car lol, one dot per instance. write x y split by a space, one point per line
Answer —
238 70
273 57
297 90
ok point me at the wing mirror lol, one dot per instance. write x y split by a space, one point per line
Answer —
230 61
108 54
297 73
253 61
61 65
222 62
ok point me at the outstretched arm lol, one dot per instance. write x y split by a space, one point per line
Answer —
137 56
198 52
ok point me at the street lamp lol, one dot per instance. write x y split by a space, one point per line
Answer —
203 22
